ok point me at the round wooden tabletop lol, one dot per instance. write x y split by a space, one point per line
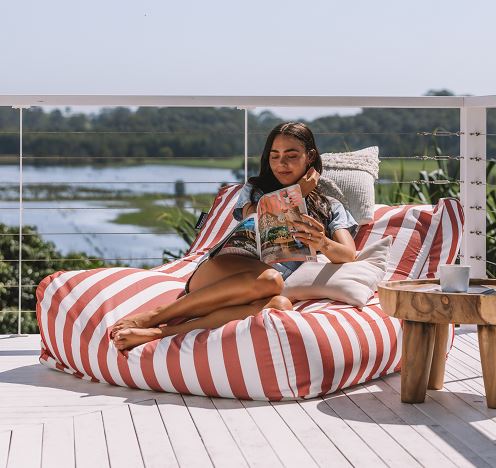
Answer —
423 301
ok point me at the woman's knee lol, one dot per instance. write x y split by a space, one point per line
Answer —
269 283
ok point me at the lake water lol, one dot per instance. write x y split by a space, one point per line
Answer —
91 229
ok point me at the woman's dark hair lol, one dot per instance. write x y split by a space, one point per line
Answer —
318 205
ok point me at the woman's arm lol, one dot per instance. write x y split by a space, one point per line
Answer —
339 249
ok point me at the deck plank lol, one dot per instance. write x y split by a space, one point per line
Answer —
385 446
288 448
246 433
219 442
418 447
5 437
460 428
122 442
90 445
58 443
340 433
156 448
426 426
310 435
183 434
25 447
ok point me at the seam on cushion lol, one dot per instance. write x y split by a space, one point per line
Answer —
282 354
427 244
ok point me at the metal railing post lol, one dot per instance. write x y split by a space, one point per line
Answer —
473 188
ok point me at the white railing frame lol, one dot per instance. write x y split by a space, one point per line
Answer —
473 110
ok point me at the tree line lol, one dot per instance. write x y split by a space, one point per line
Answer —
152 132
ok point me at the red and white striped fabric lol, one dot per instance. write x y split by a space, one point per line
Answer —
319 347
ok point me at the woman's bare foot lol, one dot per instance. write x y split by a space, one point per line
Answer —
141 320
131 337
280 303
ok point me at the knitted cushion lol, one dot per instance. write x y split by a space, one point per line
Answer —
349 177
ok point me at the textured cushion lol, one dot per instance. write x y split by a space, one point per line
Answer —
317 348
352 283
349 177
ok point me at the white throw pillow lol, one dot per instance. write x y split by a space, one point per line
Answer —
352 283
349 177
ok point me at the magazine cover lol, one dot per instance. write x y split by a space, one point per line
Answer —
277 211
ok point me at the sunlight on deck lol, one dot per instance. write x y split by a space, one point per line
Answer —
67 422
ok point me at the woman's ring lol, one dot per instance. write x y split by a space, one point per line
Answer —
309 235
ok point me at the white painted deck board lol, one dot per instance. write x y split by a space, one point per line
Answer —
4 447
68 421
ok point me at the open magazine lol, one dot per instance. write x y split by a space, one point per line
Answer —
268 233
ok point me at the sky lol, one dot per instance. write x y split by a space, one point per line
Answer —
260 47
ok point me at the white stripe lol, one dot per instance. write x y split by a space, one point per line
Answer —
216 363
379 226
276 355
134 363
91 307
248 360
315 363
46 303
286 351
187 362
369 336
160 365
337 350
356 357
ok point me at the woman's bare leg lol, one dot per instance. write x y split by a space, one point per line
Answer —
226 280
131 337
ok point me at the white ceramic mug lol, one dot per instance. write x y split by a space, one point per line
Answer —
454 278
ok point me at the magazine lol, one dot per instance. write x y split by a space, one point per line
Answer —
268 234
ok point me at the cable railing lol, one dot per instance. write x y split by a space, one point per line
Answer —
470 135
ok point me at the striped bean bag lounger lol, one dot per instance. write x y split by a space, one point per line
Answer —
318 347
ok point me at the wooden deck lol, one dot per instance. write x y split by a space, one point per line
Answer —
50 419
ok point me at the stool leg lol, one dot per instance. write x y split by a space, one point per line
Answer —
487 348
416 359
436 376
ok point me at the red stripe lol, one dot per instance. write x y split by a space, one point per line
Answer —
454 228
379 343
436 249
173 364
263 356
414 246
326 353
210 223
362 340
57 298
366 229
109 305
78 307
298 353
231 361
146 365
202 365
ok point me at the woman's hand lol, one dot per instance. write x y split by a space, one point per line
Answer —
309 181
311 232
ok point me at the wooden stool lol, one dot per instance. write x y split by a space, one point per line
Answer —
426 317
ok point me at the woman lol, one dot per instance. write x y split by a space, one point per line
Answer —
229 287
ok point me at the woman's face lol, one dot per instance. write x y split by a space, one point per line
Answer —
288 159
